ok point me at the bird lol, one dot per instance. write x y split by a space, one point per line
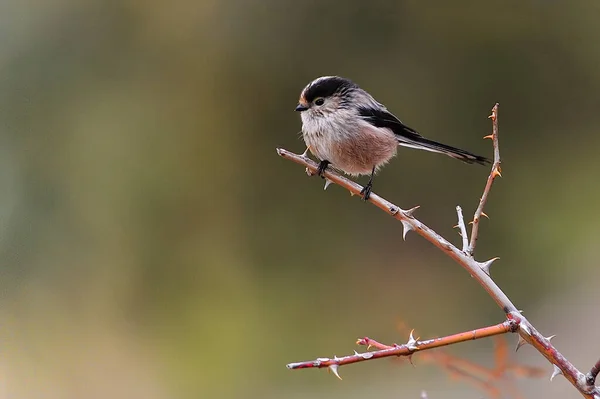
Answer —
347 129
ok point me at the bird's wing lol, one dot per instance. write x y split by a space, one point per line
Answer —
383 118
408 137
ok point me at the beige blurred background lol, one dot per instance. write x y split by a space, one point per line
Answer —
153 245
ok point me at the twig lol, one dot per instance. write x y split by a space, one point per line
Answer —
463 229
478 270
474 268
495 172
591 376
413 345
410 223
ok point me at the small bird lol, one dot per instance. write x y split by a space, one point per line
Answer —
345 127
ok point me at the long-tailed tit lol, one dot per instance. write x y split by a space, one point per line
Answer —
345 127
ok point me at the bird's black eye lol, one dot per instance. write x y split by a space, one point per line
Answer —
319 101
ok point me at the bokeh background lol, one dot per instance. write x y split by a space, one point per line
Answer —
153 245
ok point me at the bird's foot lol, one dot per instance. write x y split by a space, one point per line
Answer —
322 166
366 191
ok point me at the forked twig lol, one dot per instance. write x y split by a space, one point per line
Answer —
591 376
478 270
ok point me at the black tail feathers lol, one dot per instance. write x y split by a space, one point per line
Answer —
421 143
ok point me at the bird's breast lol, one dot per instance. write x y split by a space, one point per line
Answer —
354 148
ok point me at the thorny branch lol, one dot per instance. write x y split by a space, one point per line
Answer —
413 345
478 270
490 180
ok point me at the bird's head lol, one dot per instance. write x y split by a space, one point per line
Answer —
324 96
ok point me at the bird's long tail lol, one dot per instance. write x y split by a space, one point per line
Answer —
421 143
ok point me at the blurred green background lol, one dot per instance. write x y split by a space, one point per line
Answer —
152 243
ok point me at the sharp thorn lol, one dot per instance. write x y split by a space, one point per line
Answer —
496 173
455 227
489 136
520 343
334 370
485 266
524 327
327 183
484 214
412 210
406 227
411 344
555 372
305 153
550 337
410 360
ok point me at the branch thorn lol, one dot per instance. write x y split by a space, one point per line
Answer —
489 136
406 227
327 183
484 214
520 343
555 372
334 370
412 210
485 266
411 344
550 337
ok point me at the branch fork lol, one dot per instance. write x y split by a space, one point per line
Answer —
515 321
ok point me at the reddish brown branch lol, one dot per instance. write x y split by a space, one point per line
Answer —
591 376
478 270
407 349
495 172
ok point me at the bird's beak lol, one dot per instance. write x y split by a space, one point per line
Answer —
301 108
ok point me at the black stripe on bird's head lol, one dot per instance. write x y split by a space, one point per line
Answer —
325 87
